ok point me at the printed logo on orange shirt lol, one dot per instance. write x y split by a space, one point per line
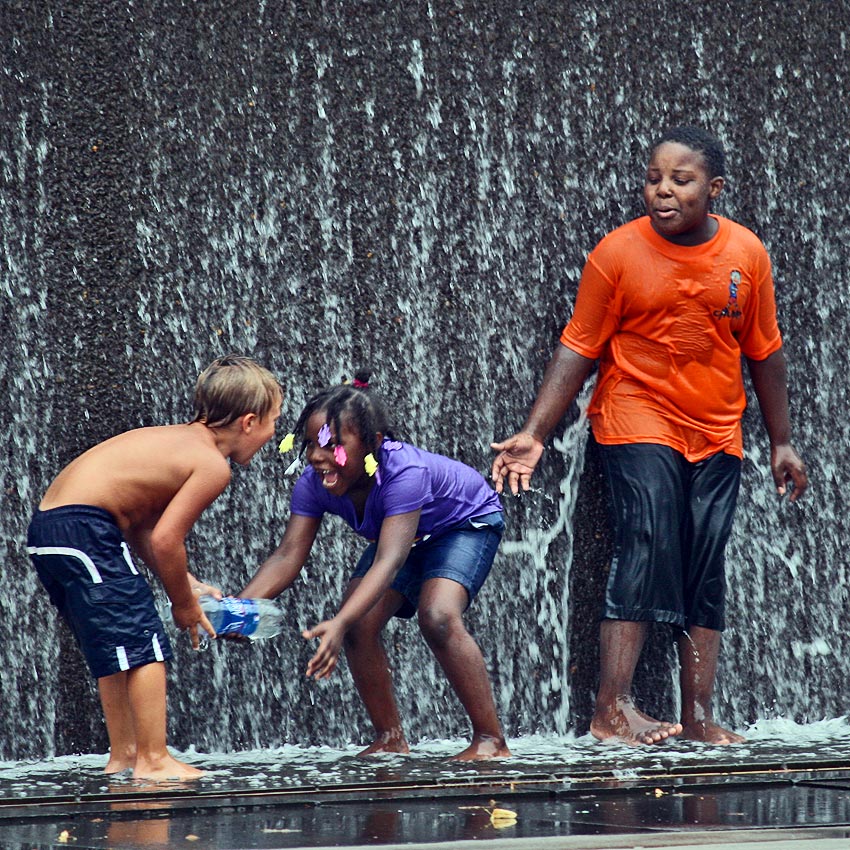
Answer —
731 310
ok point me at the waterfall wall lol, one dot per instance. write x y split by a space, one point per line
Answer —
412 187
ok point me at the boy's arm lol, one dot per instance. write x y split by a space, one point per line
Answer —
168 543
140 540
281 568
518 455
394 543
770 383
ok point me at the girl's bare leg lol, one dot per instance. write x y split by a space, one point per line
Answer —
441 606
370 669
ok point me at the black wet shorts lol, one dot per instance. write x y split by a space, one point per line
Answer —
85 565
672 519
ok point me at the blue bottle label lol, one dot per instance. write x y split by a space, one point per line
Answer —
240 616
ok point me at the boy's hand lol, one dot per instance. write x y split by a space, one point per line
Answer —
200 588
789 471
518 455
322 664
188 618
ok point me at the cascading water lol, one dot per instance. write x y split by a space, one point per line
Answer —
412 189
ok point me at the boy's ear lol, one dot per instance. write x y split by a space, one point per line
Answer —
247 421
715 187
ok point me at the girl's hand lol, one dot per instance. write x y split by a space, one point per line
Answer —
322 664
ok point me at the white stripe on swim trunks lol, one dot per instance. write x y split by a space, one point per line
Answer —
123 663
73 553
157 649
126 550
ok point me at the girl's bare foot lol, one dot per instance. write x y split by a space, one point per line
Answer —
624 722
164 768
484 747
388 742
711 733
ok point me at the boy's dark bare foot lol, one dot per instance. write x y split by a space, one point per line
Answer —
711 733
388 742
484 747
624 722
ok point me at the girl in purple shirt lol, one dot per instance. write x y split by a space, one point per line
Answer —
434 525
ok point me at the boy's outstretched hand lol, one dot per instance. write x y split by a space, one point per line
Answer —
322 664
518 455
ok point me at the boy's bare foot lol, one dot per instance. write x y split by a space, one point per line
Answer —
711 733
164 768
389 742
118 763
623 721
484 747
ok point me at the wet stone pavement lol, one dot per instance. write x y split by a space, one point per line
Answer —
788 782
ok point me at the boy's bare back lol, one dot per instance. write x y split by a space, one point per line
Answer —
136 475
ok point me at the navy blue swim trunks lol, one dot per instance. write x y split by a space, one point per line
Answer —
672 519
85 565
464 554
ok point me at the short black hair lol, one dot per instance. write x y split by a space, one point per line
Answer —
699 140
353 404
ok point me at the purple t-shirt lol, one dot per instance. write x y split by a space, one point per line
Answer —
447 491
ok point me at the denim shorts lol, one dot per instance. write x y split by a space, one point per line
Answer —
463 554
672 519
85 566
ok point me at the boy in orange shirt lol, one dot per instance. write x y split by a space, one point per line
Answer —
146 487
667 304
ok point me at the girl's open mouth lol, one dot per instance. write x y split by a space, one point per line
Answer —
330 477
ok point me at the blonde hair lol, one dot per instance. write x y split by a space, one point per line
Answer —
232 386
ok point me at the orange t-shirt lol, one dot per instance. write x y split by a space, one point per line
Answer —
669 324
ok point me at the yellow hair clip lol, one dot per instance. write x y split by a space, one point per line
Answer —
370 464
286 444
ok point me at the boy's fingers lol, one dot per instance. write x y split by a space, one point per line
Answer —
207 626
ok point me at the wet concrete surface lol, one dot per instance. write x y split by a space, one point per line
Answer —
581 795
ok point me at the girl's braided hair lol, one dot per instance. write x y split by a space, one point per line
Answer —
353 404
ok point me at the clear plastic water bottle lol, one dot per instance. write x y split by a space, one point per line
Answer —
252 618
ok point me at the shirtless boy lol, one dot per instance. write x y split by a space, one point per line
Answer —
145 489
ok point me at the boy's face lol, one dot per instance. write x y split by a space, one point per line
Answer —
678 191
256 432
